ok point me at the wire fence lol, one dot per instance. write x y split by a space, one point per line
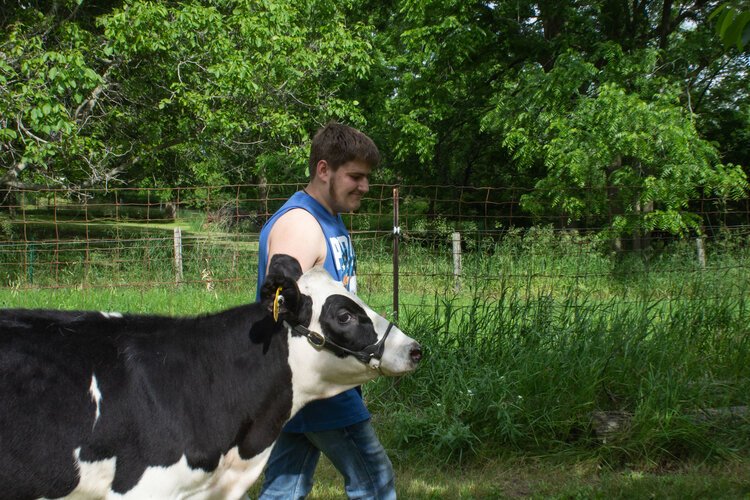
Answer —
412 241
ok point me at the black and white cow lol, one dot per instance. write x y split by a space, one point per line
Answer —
104 405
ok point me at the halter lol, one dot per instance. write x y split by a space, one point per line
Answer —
370 355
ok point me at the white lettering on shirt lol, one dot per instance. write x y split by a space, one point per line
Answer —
343 259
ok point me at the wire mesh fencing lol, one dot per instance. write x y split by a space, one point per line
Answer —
422 242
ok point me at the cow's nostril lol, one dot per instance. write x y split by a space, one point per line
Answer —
416 353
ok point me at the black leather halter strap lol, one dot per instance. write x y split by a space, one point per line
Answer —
370 355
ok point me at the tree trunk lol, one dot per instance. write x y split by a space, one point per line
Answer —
263 195
665 26
10 201
613 201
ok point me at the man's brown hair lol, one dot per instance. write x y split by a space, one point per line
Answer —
337 144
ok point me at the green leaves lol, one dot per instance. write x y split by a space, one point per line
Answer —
733 23
41 89
629 158
151 86
260 73
533 95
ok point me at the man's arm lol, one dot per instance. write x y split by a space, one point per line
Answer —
298 234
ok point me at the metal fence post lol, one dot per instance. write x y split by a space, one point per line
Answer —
396 235
456 240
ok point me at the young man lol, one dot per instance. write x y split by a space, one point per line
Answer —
308 227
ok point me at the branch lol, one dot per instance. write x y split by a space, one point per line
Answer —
690 12
112 174
23 186
708 82
87 106
11 175
665 26
10 179
28 132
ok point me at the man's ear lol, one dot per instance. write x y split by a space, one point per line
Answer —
285 265
322 170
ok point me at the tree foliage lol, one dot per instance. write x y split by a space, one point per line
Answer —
604 108
733 23
611 112
612 142
172 93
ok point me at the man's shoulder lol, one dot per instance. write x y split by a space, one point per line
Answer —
297 233
299 224
298 216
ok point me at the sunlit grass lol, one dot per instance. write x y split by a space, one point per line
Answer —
550 478
177 301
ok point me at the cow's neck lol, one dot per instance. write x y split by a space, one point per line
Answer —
312 382
225 349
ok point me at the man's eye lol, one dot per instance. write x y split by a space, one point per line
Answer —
344 317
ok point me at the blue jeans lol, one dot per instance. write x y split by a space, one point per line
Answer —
354 450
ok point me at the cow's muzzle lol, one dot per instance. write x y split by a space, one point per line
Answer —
369 355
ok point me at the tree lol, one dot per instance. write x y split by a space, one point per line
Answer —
45 97
491 93
171 92
439 60
615 144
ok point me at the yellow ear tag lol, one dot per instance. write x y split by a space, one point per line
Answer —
276 300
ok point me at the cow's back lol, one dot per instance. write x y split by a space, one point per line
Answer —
47 406
54 368
136 403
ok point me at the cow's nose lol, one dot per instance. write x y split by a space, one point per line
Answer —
415 353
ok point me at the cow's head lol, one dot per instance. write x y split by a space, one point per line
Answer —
349 341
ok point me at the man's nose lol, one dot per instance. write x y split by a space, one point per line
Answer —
364 185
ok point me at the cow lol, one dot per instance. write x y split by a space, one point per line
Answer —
106 405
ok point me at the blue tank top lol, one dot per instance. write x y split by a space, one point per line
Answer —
347 408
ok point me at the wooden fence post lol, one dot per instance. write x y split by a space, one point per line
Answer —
178 255
701 252
456 238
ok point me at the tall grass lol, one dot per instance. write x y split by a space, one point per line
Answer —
524 369
541 330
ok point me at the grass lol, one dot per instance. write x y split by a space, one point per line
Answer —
186 300
541 330
527 375
551 478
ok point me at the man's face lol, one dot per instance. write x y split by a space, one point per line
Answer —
347 185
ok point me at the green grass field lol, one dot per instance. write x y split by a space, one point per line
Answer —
540 332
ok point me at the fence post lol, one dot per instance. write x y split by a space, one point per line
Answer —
456 238
178 255
87 255
396 235
701 252
31 258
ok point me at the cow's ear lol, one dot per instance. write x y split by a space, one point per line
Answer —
280 295
280 288
285 265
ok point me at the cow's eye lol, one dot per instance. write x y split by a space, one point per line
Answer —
344 317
